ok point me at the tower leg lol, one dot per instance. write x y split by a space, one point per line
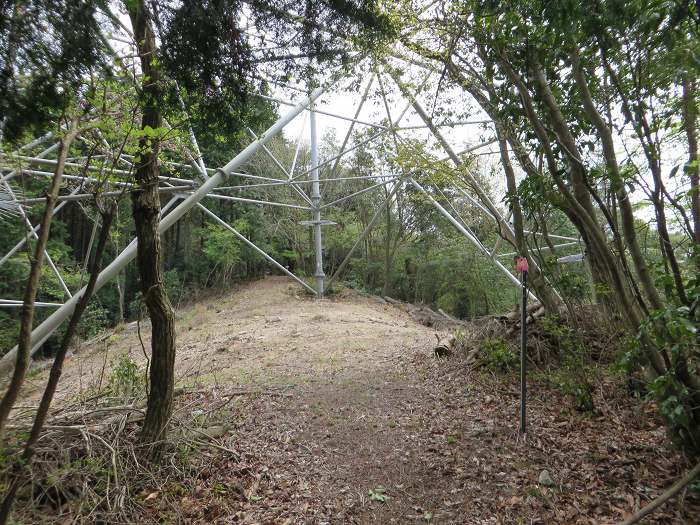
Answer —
316 204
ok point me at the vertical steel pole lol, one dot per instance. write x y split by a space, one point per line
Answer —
316 206
523 360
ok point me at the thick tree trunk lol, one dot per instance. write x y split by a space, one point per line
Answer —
605 269
146 211
24 344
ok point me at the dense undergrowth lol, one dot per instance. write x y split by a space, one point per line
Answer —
584 351
89 465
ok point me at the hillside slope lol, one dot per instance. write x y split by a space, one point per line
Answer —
267 332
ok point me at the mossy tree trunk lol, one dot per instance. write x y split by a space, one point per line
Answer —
146 212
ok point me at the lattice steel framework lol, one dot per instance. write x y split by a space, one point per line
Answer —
207 183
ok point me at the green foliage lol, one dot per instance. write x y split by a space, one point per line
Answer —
222 249
573 283
126 382
673 405
9 331
498 356
378 494
174 284
52 47
574 380
672 330
574 376
95 319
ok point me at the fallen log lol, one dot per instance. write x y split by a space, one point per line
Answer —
445 347
450 317
532 314
426 316
531 309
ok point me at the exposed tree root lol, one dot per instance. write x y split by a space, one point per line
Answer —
670 493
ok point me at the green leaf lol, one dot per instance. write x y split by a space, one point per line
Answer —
378 494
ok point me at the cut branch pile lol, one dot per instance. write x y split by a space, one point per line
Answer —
90 467
546 341
426 316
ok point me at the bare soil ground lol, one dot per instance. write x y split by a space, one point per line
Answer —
339 414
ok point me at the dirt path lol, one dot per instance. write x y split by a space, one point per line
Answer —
346 417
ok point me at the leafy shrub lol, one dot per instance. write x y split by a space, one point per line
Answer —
126 382
499 357
674 332
574 375
9 330
222 249
94 320
573 380
449 301
572 281
174 285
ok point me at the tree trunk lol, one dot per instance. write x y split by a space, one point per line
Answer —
541 287
636 114
618 187
24 344
146 212
604 266
387 247
690 121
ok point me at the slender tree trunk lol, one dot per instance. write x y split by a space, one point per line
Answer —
618 187
120 281
665 243
387 247
635 114
55 374
541 287
690 120
146 211
24 344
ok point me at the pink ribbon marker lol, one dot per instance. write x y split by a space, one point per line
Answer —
521 264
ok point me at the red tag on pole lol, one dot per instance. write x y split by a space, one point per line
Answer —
521 264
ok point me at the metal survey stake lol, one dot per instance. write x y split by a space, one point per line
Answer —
522 266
